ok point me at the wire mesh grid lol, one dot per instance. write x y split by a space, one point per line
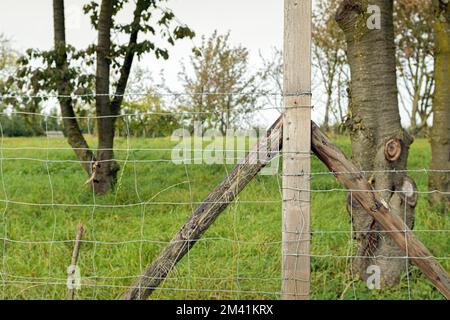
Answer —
44 197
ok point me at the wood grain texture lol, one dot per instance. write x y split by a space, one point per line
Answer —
297 148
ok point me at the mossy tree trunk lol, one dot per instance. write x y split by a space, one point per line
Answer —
440 134
379 144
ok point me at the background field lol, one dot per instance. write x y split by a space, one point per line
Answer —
239 258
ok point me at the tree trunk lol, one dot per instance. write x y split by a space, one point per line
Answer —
415 111
326 120
116 103
266 148
71 126
379 144
106 168
440 134
108 110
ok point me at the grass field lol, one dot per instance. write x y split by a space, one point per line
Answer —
239 259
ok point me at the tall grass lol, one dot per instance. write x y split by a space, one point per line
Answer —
239 258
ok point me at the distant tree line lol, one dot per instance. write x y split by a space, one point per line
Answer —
219 91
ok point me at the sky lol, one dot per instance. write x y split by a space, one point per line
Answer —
256 24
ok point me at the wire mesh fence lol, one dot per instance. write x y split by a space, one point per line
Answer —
44 197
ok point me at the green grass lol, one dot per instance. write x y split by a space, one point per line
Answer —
239 260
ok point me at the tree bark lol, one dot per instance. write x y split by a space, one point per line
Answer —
440 134
71 126
379 144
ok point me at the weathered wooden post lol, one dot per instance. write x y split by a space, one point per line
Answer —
297 150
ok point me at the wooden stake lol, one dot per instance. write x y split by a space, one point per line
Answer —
297 148
75 254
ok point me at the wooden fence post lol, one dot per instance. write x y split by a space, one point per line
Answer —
297 150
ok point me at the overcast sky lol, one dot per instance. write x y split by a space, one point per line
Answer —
256 24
